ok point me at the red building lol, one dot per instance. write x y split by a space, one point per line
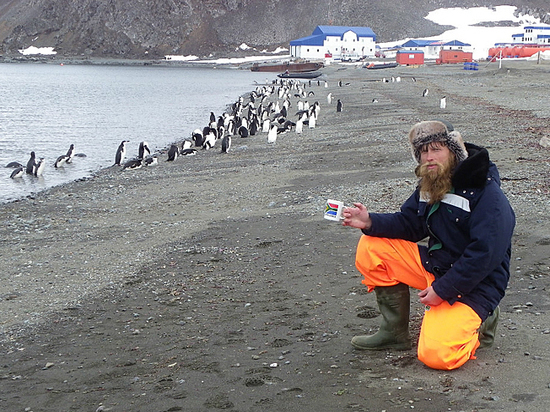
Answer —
454 56
409 57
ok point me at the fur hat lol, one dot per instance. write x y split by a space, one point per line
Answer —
424 133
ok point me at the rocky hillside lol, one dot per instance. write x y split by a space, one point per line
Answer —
138 29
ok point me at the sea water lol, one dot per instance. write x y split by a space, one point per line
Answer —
47 107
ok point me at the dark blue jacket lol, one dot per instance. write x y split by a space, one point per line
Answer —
469 234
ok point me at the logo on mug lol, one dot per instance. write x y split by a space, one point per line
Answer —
333 210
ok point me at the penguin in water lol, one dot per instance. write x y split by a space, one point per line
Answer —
425 93
443 102
143 150
70 154
39 167
30 164
226 144
172 153
121 153
61 160
14 165
339 106
17 173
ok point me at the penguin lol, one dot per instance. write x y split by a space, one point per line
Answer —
61 160
151 160
30 164
212 117
172 153
226 144
70 154
189 152
197 134
272 135
186 144
143 150
425 93
299 126
329 98
132 164
265 125
209 141
312 121
339 105
121 153
443 102
243 131
14 165
375 100
19 172
39 167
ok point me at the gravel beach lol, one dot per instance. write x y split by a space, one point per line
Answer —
213 282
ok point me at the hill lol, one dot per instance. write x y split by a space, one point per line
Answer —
136 29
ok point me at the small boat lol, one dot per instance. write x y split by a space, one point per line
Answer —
301 75
373 66
291 67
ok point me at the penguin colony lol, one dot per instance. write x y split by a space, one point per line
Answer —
273 109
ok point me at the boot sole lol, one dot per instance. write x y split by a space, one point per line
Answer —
395 346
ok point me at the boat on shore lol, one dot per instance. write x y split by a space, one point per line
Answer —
299 75
291 67
374 66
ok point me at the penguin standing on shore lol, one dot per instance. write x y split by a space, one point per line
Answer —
339 106
30 164
443 102
143 150
226 143
172 153
121 153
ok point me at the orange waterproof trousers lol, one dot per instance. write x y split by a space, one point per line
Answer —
449 333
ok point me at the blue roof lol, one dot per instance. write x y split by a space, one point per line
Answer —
340 30
409 51
456 43
420 43
309 40
536 28
320 33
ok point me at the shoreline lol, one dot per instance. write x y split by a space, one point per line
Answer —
188 282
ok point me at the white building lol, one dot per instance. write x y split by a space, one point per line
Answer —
431 48
539 35
336 42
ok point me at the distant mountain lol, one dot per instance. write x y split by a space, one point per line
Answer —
138 29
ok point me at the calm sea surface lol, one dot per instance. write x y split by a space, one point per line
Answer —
46 107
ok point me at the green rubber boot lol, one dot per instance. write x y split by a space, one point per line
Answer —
488 329
394 304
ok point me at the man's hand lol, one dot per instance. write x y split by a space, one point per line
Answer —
428 297
357 217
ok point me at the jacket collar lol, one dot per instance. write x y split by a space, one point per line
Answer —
472 172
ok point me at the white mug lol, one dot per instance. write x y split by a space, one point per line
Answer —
333 210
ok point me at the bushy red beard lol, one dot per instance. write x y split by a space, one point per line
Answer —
435 184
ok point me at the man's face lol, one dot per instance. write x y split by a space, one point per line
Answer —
435 154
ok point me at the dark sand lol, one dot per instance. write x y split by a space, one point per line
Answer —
214 282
